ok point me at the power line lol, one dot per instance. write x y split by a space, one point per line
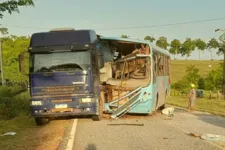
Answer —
170 24
134 27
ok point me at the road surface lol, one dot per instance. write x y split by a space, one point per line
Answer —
148 132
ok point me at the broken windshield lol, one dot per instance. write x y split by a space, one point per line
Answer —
60 61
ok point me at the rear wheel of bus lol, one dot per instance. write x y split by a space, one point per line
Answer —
41 121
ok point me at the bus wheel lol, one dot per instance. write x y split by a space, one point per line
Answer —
41 121
99 117
157 100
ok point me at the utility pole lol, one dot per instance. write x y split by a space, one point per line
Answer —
2 77
223 86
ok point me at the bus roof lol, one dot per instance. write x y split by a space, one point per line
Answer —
62 37
126 40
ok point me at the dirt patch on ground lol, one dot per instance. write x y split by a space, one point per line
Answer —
32 137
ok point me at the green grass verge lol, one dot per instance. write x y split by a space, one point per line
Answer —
212 106
178 67
29 136
22 126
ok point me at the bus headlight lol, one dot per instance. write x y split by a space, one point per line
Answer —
36 103
87 100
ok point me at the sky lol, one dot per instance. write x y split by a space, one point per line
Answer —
105 15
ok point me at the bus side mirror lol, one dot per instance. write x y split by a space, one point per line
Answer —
22 63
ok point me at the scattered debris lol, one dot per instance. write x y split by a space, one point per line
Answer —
129 124
166 138
9 133
168 111
168 118
210 137
194 134
213 137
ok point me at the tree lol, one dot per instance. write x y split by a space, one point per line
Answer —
192 76
201 45
13 6
11 48
214 80
212 44
149 38
187 47
3 31
124 36
162 42
221 49
175 46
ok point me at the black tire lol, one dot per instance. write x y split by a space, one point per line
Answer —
41 121
97 118
156 104
100 116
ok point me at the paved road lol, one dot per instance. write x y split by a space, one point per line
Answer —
155 134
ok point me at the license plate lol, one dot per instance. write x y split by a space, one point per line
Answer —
61 106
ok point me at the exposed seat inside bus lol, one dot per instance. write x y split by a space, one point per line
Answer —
133 83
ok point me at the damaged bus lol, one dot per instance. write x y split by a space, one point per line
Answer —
135 77
79 73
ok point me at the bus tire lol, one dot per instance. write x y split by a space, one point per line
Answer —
97 118
41 121
157 100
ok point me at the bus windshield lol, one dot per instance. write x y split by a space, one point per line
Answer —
60 61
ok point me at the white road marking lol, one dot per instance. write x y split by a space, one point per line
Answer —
72 136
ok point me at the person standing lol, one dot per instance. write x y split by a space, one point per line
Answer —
192 97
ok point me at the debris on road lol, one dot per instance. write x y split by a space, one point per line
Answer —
213 137
194 134
210 137
168 111
129 124
166 138
9 133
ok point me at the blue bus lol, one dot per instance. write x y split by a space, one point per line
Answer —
137 78
63 74
79 73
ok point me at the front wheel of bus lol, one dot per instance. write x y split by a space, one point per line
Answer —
97 118
41 121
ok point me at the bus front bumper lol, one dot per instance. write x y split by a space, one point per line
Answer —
48 108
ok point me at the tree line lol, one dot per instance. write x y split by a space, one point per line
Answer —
185 48
213 81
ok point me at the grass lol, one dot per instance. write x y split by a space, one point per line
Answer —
30 136
178 67
212 106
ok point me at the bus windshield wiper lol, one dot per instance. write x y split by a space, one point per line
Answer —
67 66
44 69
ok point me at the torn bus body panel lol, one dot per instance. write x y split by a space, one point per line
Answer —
130 100
124 80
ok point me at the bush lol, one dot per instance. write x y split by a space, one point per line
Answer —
212 82
12 105
191 77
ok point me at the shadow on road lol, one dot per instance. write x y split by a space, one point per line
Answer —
91 147
212 119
